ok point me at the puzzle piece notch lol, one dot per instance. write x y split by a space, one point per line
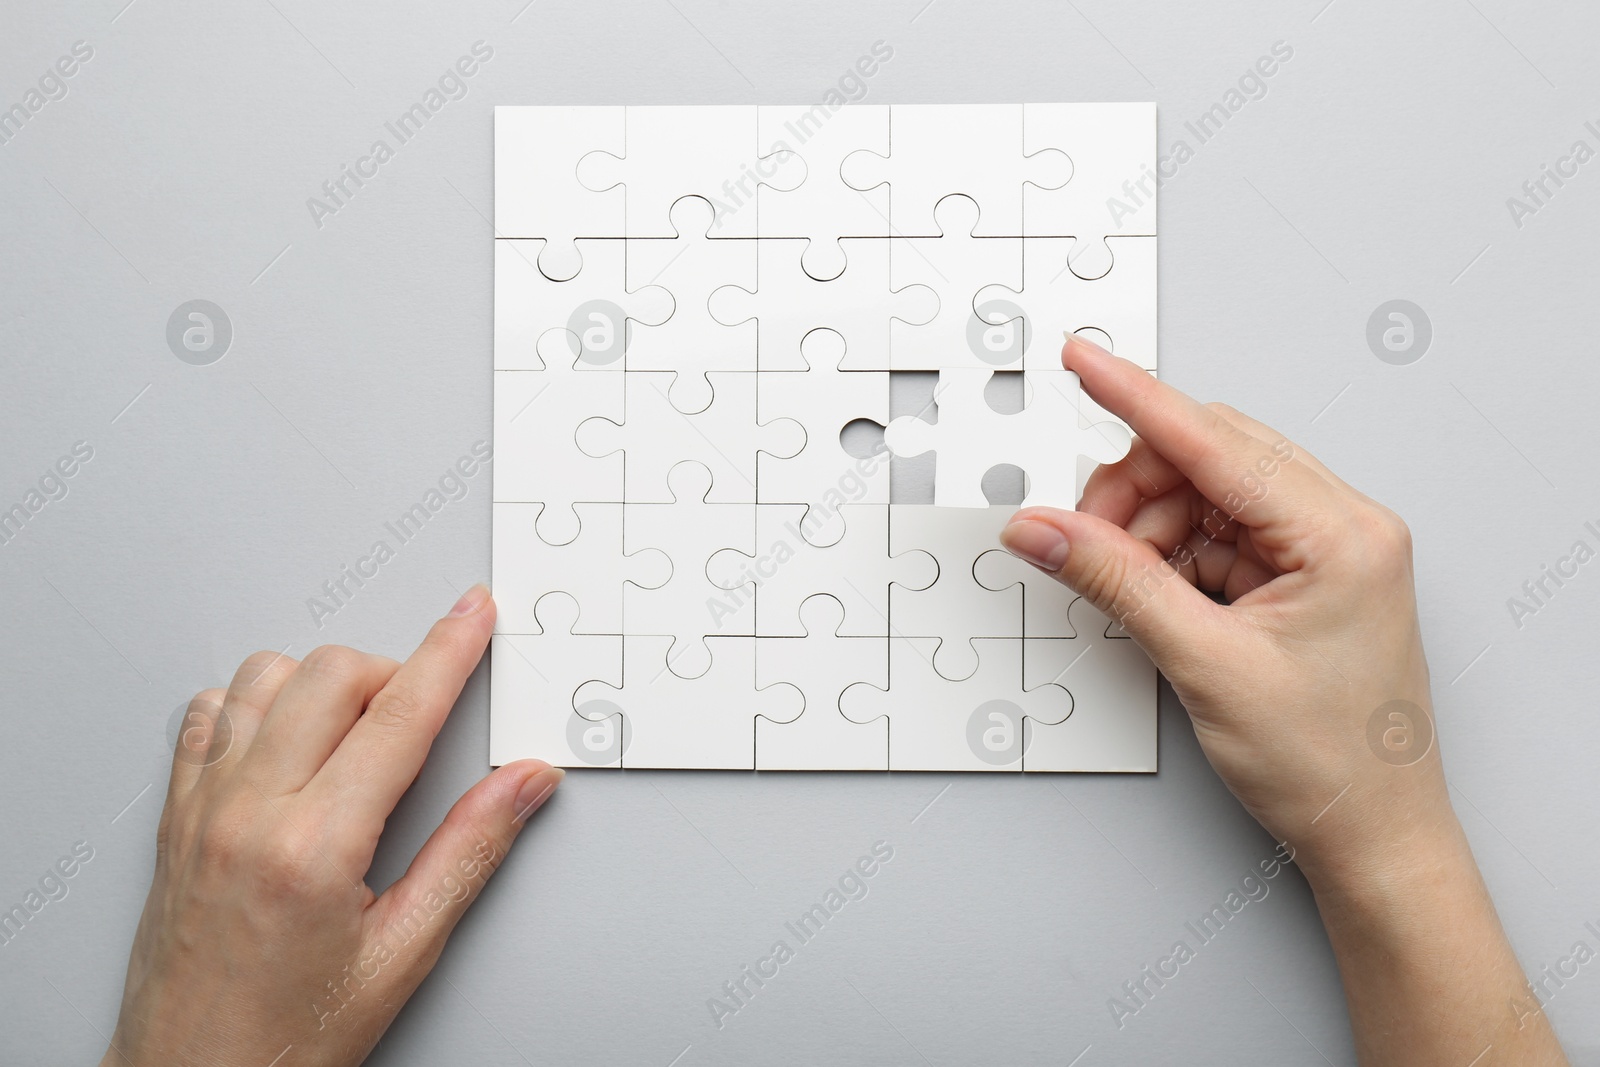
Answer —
822 664
980 723
580 323
707 151
688 607
823 400
1046 603
790 564
1113 187
540 673
1044 439
691 265
956 265
1054 301
1114 720
788 304
536 187
590 568
822 209
977 150
724 437
669 722
955 609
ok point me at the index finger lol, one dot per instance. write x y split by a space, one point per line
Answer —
1257 482
382 754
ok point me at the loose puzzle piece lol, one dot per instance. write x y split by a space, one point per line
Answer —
590 568
677 151
536 187
791 563
691 343
789 304
707 722
724 437
823 400
823 208
1120 307
532 680
686 606
955 265
1113 186
977 724
536 417
1044 439
1113 685
954 609
822 665
590 315
939 149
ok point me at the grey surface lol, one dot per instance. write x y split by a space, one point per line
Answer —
1377 166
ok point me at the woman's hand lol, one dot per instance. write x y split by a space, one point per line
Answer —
1308 690
260 942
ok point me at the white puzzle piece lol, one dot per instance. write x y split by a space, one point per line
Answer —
691 304
1044 438
537 674
1113 685
974 149
822 665
536 187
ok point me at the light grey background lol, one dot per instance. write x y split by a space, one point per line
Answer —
1377 166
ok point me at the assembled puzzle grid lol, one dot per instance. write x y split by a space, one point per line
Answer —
691 303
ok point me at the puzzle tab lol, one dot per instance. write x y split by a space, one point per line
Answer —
698 314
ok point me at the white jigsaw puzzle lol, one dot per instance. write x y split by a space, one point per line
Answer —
691 304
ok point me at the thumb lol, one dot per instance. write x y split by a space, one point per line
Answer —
1122 576
416 915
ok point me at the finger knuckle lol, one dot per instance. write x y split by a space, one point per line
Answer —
398 707
334 665
258 663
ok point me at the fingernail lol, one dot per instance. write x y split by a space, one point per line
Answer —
535 791
1038 543
470 600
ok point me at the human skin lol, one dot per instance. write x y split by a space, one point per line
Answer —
260 942
1308 691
